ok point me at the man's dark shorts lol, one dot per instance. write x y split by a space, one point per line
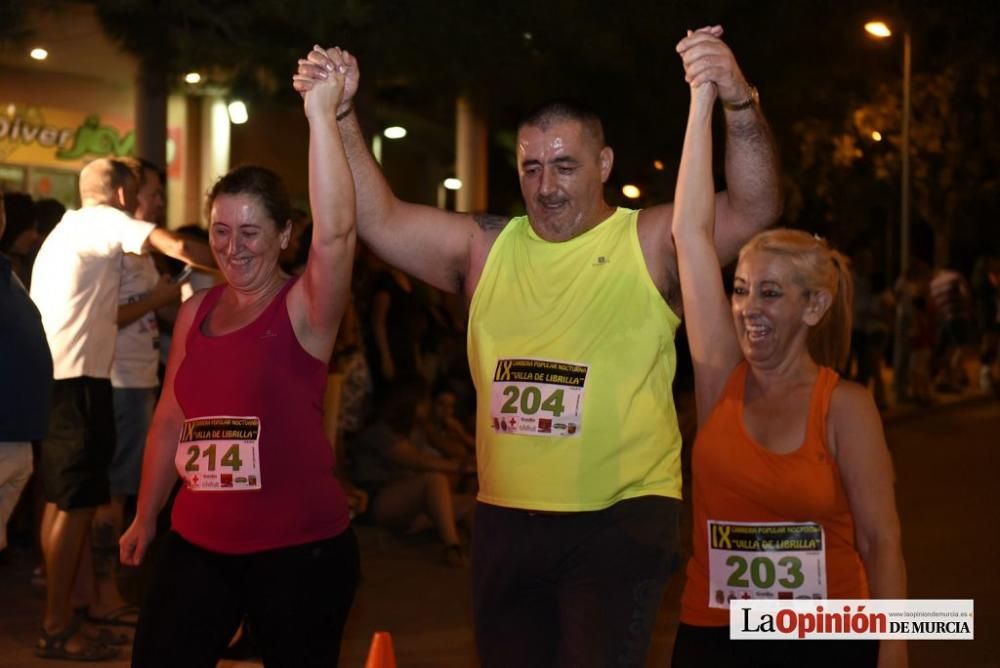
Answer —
81 442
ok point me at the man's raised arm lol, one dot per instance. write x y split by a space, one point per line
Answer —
752 200
426 242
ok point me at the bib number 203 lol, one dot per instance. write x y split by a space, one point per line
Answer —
762 572
230 459
529 400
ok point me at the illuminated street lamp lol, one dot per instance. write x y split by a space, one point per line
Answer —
880 30
451 183
238 114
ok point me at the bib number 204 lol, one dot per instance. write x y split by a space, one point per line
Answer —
230 459
529 400
762 572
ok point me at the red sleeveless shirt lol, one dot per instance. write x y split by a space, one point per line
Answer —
262 371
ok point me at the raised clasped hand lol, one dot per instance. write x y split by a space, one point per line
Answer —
708 59
322 64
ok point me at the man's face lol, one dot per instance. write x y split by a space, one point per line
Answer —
562 171
152 205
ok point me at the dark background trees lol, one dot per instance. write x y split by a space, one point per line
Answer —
825 86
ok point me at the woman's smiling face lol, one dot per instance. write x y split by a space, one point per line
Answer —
769 308
246 242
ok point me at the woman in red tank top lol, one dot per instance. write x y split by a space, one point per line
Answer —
792 481
260 526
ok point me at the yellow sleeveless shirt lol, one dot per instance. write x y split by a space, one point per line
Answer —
572 353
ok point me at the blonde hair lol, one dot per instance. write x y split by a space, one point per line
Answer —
816 267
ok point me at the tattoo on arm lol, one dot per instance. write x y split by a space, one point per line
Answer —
489 222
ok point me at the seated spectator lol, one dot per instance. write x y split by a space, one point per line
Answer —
408 488
442 434
445 432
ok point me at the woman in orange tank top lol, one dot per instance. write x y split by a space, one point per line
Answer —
793 483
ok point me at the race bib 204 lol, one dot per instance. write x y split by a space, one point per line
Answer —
538 397
775 560
220 453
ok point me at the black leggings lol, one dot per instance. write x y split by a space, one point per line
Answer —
710 646
297 599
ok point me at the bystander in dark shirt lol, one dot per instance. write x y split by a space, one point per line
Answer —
25 363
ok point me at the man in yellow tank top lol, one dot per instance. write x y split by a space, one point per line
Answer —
573 310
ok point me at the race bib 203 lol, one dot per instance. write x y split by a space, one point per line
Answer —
776 560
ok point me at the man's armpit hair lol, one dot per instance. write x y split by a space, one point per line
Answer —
489 222
672 290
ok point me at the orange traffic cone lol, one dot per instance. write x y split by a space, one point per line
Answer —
381 654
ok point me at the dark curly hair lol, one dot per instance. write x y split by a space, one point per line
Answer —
259 182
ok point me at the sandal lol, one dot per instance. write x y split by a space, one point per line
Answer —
53 646
127 615
110 637
100 634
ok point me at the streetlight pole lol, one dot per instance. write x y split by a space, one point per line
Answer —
901 352
880 30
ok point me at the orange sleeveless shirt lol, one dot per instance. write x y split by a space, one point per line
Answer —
758 501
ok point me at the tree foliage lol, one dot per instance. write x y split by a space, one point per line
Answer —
825 86
954 156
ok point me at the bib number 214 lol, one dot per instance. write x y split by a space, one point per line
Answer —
230 458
